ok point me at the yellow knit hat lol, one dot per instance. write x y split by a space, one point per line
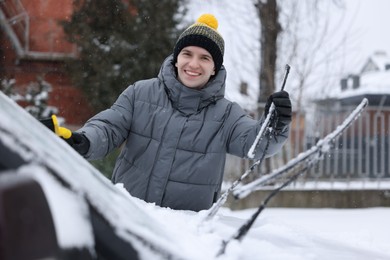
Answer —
203 33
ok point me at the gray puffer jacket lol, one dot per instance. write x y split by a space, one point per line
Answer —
176 139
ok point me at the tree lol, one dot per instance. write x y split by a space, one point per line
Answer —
119 43
314 43
268 12
34 98
300 33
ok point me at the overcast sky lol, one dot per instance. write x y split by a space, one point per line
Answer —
370 20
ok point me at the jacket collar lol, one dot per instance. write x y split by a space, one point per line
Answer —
190 101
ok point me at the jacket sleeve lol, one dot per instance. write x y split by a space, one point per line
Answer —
109 129
243 132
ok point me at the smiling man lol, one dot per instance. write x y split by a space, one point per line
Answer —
195 66
177 128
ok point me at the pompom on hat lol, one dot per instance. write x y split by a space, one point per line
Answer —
203 33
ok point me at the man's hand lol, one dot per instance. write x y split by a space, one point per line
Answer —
79 142
283 110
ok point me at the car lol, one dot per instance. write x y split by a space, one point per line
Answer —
54 204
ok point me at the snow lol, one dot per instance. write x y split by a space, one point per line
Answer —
260 134
281 233
40 146
321 233
278 233
69 210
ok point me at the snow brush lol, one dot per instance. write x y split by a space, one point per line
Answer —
53 125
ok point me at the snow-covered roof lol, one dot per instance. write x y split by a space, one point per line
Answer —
370 83
377 62
374 79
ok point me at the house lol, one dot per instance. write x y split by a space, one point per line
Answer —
33 45
364 150
373 82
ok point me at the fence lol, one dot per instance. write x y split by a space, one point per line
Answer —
358 159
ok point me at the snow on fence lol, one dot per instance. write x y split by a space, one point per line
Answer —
359 159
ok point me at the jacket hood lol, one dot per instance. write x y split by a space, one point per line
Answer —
187 100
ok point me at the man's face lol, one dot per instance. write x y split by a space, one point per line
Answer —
195 66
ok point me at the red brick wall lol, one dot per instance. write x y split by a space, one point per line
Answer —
46 35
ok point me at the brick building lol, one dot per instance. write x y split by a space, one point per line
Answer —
33 44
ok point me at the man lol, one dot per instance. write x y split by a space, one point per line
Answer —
178 127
